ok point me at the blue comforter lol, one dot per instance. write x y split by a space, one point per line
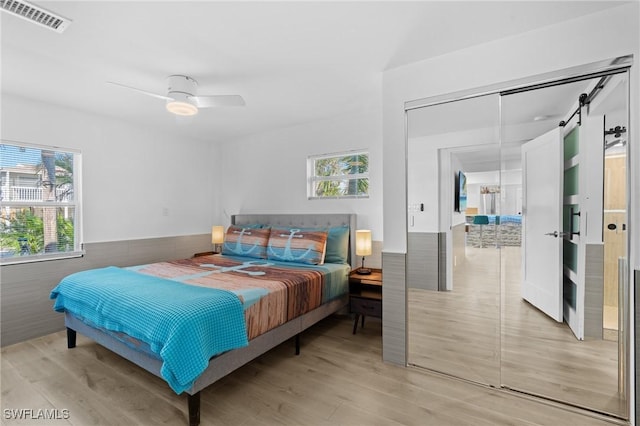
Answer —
185 325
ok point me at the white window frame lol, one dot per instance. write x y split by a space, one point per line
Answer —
76 204
313 179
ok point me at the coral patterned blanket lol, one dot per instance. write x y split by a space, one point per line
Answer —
272 293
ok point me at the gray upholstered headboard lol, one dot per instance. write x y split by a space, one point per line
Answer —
306 221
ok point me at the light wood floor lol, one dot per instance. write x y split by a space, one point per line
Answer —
471 332
339 379
610 317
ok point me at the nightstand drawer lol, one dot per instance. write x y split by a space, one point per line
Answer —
366 307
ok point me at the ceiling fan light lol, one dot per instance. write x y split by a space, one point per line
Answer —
181 108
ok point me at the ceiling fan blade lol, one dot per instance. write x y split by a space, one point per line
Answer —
144 92
218 101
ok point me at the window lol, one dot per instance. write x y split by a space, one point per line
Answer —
342 175
39 203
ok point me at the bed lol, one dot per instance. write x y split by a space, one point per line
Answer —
236 306
507 231
515 219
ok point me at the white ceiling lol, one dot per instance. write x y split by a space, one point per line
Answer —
293 62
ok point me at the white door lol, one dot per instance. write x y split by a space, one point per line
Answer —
543 172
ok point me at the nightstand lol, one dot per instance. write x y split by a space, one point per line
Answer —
365 295
206 253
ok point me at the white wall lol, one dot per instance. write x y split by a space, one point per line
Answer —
424 171
137 183
510 197
422 187
133 176
268 172
581 41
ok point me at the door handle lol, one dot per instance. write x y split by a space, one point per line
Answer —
557 234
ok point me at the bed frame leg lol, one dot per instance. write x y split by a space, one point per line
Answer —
298 344
194 409
71 338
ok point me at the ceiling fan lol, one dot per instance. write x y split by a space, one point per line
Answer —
182 97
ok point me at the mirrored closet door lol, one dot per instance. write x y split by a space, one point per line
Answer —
517 242
453 307
560 334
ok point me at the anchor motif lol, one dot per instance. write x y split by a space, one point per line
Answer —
238 268
222 269
238 246
216 270
288 254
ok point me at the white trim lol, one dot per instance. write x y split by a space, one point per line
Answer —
41 257
339 154
581 72
38 146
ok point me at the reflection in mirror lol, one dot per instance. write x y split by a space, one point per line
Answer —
454 307
490 194
560 335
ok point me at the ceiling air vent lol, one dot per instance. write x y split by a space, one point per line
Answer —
35 14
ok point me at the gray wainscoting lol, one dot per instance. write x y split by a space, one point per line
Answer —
594 290
442 261
394 308
426 260
375 260
26 308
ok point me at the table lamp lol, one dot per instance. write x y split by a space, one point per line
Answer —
217 237
363 248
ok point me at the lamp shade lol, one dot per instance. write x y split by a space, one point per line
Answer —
217 234
363 242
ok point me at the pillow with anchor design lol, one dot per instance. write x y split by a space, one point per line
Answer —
337 249
297 245
246 241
